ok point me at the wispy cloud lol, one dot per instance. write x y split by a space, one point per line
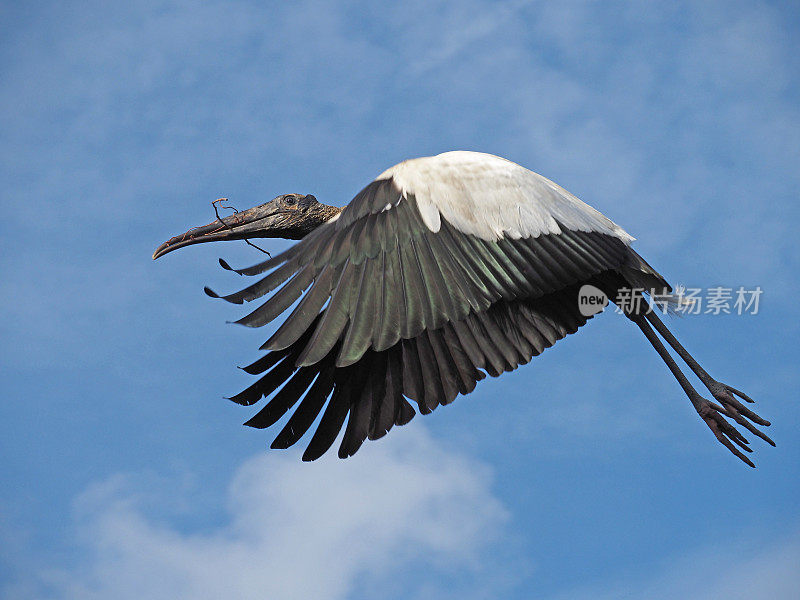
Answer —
461 26
394 519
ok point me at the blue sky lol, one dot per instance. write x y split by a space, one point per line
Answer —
585 474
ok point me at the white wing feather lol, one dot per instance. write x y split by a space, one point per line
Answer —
491 197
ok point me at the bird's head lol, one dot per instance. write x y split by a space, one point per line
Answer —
289 216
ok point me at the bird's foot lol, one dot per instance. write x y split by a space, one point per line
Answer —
717 416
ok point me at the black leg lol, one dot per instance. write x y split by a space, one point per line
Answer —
710 412
723 393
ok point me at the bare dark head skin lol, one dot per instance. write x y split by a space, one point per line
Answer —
289 216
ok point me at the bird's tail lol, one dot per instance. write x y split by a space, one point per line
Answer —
645 279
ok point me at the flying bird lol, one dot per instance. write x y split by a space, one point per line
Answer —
442 270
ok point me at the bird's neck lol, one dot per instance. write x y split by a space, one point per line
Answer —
299 227
328 212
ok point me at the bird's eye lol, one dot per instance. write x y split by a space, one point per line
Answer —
290 200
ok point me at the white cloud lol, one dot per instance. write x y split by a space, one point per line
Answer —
393 517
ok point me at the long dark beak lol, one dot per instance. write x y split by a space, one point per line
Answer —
252 223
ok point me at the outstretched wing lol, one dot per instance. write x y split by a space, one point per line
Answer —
396 303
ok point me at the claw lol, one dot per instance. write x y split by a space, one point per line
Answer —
737 411
733 413
741 408
741 395
726 434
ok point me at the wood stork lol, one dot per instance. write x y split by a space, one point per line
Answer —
441 270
